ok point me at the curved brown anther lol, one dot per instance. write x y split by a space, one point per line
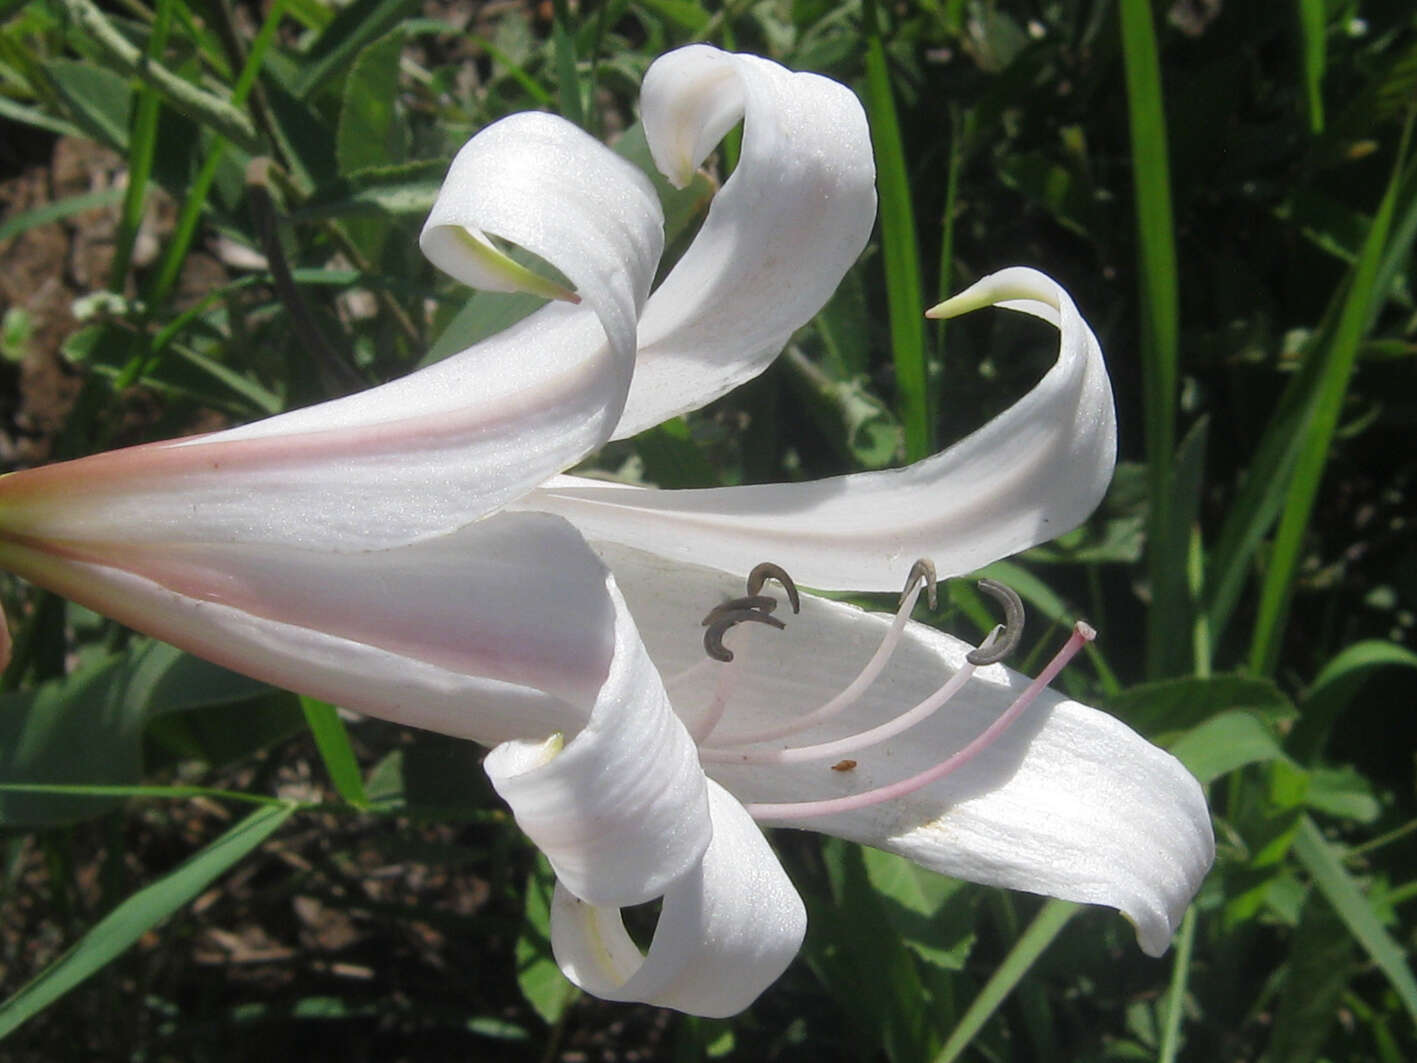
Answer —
924 569
763 603
765 571
1012 634
723 619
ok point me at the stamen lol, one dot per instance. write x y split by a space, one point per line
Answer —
851 743
1007 642
766 570
723 619
793 810
921 578
724 686
923 569
762 603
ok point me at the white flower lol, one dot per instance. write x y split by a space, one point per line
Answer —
413 553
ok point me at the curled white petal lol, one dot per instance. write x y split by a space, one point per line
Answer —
726 930
621 810
779 236
1069 802
439 448
549 160
1031 474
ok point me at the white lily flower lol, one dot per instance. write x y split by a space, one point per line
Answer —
412 552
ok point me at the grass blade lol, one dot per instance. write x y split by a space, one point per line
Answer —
1336 884
898 248
332 740
1314 443
568 84
1160 327
1046 926
1176 996
1311 36
116 931
51 212
142 141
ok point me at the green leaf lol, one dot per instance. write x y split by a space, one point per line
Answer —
865 966
1171 706
933 915
1344 893
99 100
542 983
51 212
1335 688
87 727
898 248
1225 743
1311 36
1312 455
370 133
332 740
1321 956
142 911
356 26
1343 792
1041 933
1160 316
1173 609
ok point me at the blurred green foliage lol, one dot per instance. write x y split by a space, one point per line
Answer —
1226 190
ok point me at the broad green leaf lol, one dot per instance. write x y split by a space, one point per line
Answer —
1170 706
99 99
370 133
932 914
1335 688
356 26
1346 896
864 965
1343 792
1226 742
87 727
115 932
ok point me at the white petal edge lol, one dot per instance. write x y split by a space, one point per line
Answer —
1070 802
726 931
781 233
363 631
434 450
621 809
1031 474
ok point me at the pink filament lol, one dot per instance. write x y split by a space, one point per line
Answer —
793 810
851 743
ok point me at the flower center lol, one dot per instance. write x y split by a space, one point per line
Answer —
756 607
